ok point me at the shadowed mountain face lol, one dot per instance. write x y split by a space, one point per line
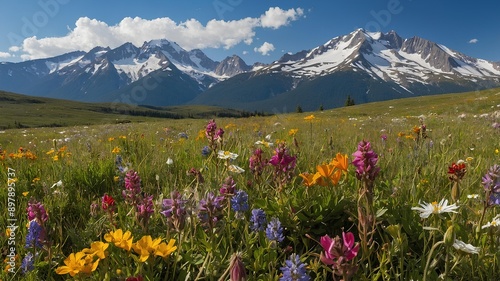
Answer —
365 66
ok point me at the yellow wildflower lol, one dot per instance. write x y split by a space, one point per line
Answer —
292 132
98 249
309 117
120 239
146 246
164 250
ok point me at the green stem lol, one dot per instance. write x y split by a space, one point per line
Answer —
446 264
429 259
203 267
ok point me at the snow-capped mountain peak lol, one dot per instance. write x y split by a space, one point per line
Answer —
388 57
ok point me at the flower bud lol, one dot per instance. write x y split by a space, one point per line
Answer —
449 236
237 268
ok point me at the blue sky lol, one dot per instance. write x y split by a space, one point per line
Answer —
257 31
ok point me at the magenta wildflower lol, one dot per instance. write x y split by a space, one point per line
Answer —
132 187
284 164
365 161
256 163
213 135
211 129
37 211
282 160
144 210
197 174
228 186
338 252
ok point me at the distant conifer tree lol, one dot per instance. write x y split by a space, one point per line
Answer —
349 101
299 109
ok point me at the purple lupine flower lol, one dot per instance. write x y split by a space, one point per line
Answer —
494 199
27 263
274 231
37 211
132 187
35 236
294 270
365 161
205 151
144 210
228 186
491 184
119 164
258 220
210 210
174 210
239 203
491 180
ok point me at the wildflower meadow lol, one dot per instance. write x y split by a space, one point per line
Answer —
327 195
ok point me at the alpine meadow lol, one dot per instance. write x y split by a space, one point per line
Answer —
397 190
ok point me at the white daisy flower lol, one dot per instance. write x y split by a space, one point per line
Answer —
464 247
427 209
170 161
235 169
226 155
494 223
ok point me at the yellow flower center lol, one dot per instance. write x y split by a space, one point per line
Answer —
437 208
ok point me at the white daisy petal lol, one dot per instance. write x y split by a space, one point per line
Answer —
464 247
427 209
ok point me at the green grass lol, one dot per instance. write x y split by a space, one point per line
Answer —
411 171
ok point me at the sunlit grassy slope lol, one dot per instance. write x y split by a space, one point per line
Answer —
20 111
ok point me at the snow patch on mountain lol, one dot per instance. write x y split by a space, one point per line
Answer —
56 66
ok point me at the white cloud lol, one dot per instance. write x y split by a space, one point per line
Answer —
265 49
245 52
4 55
276 17
473 41
191 34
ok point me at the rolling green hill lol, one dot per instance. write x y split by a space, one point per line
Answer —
20 111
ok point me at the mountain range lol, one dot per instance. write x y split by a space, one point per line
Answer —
363 66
